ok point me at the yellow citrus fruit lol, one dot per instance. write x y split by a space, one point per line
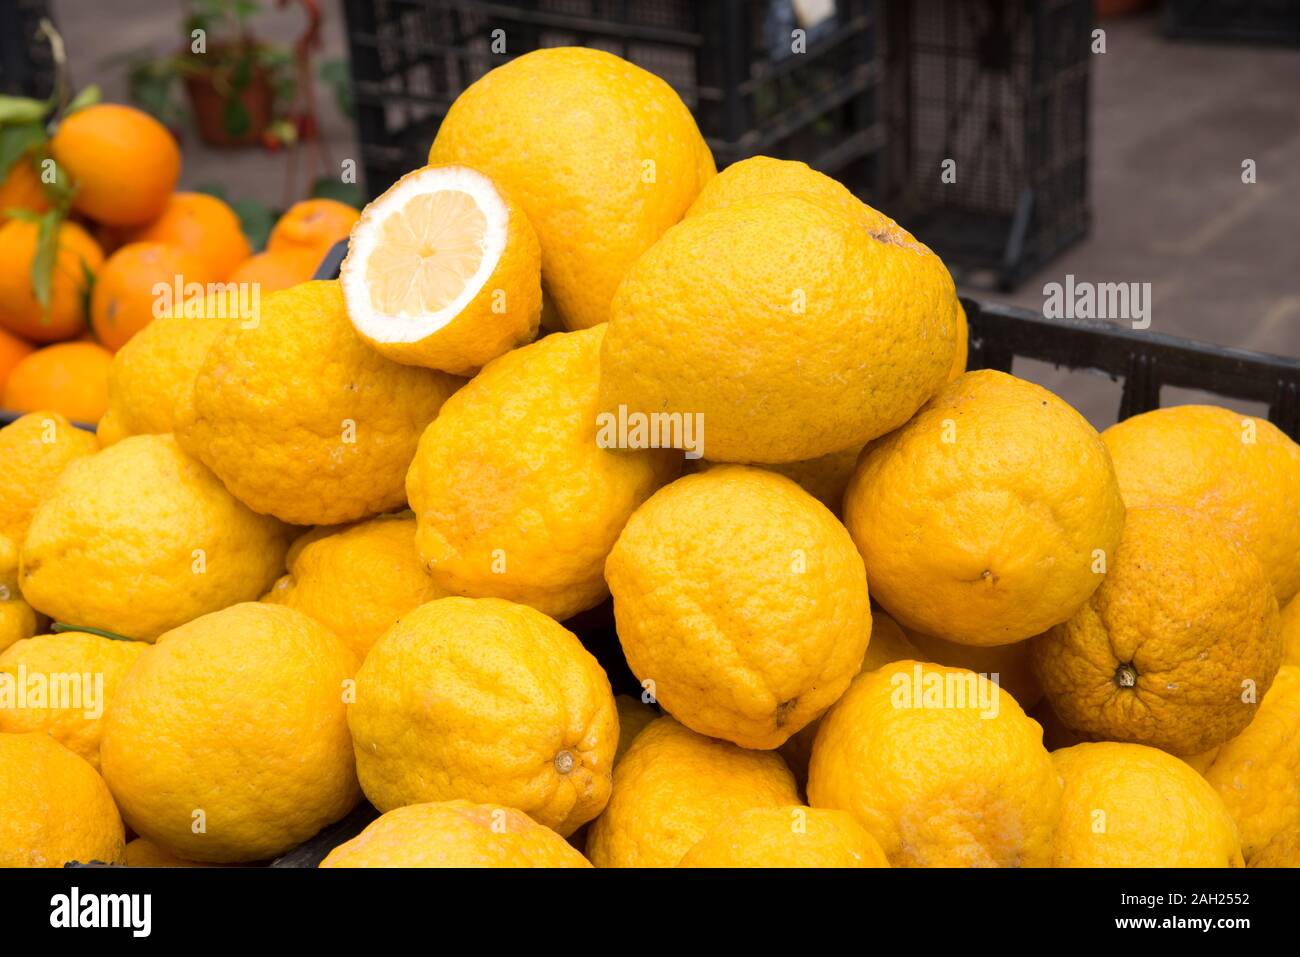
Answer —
35 449
444 271
228 740
941 766
490 701
824 478
612 162
1282 851
1127 805
78 259
1290 625
143 852
1176 646
312 226
455 834
743 600
674 786
963 345
69 680
358 580
54 808
791 330
1243 472
989 517
204 225
334 443
765 176
888 644
1011 664
634 716
787 837
1257 773
123 163
152 373
140 538
514 494
17 618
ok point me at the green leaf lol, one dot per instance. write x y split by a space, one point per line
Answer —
235 118
22 109
335 75
256 219
60 628
88 96
17 140
47 254
330 187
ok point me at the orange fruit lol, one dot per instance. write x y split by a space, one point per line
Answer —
21 189
20 313
12 351
313 225
123 162
125 299
70 378
273 271
204 225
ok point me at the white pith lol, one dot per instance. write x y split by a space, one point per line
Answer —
369 229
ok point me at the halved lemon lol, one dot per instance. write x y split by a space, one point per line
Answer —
443 271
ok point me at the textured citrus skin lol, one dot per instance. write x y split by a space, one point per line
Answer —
787 837
982 520
485 700
888 644
824 478
140 538
794 331
633 718
1009 662
593 217
89 657
35 449
54 808
673 786
1257 773
1282 851
743 599
938 785
963 345
203 224
312 226
503 315
1127 805
1290 625
152 373
1165 650
273 271
513 496
142 852
238 714
455 834
1203 457
21 188
20 311
68 377
301 419
124 163
359 580
17 618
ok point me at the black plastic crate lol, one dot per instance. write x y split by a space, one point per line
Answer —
1261 21
1001 88
26 63
729 60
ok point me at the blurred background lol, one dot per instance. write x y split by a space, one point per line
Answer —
1025 140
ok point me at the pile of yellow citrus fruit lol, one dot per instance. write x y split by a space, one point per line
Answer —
127 230
873 610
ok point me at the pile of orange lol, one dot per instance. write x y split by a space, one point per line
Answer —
128 231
